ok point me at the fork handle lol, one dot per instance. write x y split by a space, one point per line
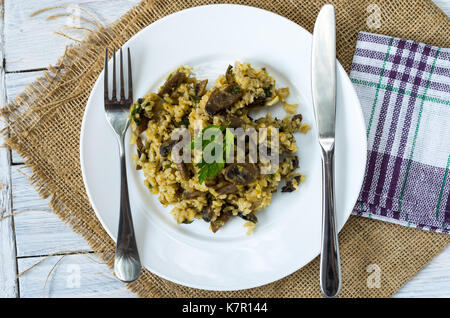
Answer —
127 265
330 271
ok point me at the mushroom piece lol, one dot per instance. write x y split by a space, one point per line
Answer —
183 170
188 195
166 147
172 83
258 100
211 182
140 150
289 187
241 173
249 217
294 161
229 74
221 99
200 88
219 222
292 183
139 146
142 125
207 214
227 189
298 117
235 122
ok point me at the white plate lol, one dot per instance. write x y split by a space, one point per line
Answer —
287 236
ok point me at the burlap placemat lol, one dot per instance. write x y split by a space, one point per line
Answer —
44 128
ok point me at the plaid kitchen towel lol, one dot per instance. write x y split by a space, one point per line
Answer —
404 90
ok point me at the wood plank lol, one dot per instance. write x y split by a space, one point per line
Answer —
24 196
79 275
8 270
43 233
8 282
432 281
97 280
15 158
38 230
15 84
444 5
30 41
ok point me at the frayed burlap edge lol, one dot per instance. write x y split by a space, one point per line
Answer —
43 126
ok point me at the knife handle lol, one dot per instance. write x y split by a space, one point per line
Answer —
330 268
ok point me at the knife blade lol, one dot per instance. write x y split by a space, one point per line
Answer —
323 81
324 73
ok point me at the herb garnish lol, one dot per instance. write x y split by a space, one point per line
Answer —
195 99
136 110
236 90
268 91
185 121
210 170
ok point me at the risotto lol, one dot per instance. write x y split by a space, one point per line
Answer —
216 191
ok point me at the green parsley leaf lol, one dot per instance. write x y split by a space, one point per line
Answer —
195 99
221 128
199 140
229 142
185 121
268 91
210 170
137 109
236 90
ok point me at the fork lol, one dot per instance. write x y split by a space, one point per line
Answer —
127 265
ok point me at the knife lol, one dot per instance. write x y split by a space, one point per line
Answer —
324 100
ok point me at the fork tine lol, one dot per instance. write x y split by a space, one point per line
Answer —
106 75
130 78
114 93
122 88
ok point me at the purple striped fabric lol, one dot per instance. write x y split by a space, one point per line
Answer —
404 89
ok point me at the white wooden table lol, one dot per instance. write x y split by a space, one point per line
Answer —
34 233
